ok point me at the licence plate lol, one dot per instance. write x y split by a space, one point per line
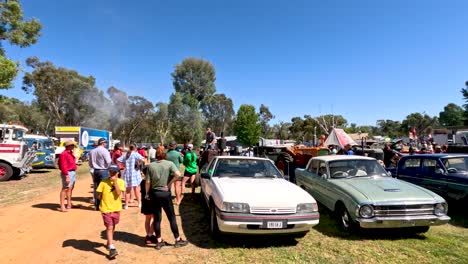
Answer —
408 222
274 224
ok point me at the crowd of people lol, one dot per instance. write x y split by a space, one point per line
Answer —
148 175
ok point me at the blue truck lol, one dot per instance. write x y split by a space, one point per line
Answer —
45 151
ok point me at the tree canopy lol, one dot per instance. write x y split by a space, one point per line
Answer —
246 125
16 31
452 115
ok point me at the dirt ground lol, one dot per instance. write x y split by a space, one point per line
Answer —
34 229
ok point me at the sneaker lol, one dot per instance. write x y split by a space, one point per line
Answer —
159 245
113 253
125 206
180 243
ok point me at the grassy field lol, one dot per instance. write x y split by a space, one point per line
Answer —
325 243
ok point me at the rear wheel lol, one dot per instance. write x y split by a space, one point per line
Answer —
6 171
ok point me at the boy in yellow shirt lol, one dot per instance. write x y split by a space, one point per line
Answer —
109 193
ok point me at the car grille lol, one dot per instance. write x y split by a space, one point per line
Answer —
272 210
404 210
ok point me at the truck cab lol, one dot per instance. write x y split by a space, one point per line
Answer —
45 151
15 156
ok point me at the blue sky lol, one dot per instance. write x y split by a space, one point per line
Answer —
365 60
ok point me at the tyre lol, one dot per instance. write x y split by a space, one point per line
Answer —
421 229
214 222
6 171
344 219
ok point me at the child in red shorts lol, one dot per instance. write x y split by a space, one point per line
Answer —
109 193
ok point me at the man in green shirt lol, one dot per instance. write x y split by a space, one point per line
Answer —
175 156
160 175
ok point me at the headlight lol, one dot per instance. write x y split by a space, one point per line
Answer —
366 211
306 208
440 209
236 207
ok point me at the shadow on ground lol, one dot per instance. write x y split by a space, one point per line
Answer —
85 245
195 224
329 226
56 206
126 237
457 211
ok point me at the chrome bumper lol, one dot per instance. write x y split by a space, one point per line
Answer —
408 221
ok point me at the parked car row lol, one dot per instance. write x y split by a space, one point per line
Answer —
364 195
247 195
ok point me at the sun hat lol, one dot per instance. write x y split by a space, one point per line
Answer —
114 168
69 143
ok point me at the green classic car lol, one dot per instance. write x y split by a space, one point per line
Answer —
364 195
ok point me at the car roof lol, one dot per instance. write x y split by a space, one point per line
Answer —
241 157
438 155
342 157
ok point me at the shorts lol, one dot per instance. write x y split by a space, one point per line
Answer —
188 174
111 219
147 206
71 175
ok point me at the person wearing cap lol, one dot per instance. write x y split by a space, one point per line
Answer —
99 161
109 192
67 166
142 151
190 163
176 158
159 176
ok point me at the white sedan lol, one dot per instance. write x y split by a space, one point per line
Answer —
248 195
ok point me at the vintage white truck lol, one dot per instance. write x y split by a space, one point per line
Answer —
15 157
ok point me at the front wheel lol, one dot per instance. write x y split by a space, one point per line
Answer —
344 219
420 229
6 171
214 222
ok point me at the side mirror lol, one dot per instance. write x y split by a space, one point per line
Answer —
205 175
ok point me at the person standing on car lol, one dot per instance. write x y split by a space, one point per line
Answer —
67 166
210 139
158 179
99 161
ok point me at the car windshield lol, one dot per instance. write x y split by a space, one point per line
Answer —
249 168
458 164
356 168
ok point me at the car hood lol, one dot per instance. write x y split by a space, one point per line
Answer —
386 190
262 192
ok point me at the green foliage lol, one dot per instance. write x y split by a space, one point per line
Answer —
281 130
422 122
218 111
65 96
451 116
464 92
8 71
185 121
18 32
246 125
265 117
390 128
194 79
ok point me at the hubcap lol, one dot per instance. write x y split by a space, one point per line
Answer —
345 219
